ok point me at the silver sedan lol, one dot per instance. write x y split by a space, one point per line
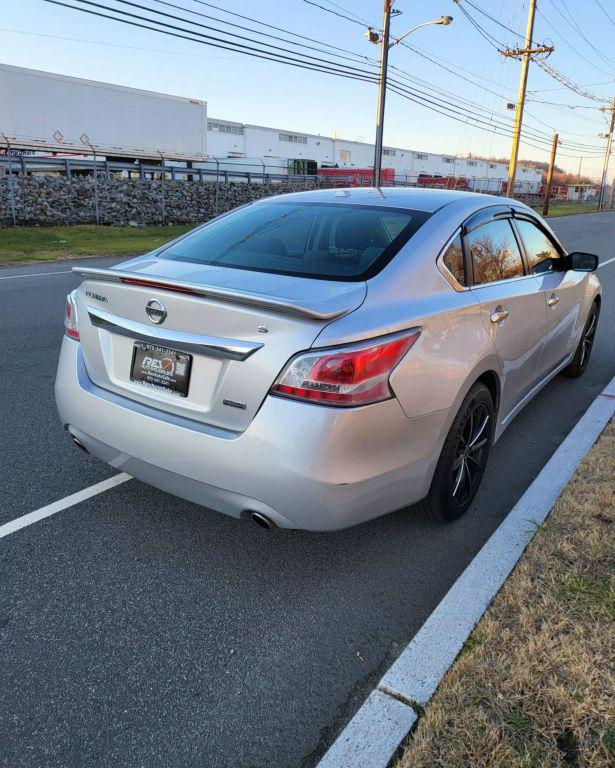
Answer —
314 360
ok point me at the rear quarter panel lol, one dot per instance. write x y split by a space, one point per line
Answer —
454 348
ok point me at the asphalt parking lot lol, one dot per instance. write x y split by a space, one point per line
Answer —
140 630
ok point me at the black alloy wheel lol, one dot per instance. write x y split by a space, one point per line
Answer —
581 356
464 456
472 451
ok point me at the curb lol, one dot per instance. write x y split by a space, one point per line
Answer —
388 714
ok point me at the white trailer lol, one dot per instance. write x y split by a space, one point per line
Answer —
44 111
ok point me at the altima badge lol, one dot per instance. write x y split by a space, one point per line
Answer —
155 311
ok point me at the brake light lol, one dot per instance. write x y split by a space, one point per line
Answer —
70 316
155 284
352 375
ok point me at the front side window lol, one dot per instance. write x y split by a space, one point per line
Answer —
326 240
453 261
542 255
495 253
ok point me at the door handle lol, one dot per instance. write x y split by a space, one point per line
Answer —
553 300
500 313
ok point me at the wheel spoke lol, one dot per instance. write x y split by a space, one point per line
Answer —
469 476
476 462
479 432
477 446
459 477
472 448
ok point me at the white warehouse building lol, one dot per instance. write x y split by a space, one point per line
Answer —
298 152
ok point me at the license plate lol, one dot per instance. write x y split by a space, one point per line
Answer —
161 368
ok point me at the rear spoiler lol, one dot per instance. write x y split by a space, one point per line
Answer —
271 303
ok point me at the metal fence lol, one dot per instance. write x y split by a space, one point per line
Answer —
219 171
224 170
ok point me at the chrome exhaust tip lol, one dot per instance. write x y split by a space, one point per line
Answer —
79 444
262 521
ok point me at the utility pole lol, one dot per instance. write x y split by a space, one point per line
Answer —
524 54
375 38
545 207
607 156
382 88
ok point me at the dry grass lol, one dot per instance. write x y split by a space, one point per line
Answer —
534 685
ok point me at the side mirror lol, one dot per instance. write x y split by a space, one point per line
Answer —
583 262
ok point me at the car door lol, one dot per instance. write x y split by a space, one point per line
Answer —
562 290
512 304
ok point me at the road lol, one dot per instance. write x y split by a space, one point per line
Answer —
140 630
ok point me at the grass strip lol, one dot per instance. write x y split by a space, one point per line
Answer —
27 244
567 209
534 685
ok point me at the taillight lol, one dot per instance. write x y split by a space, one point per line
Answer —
70 316
353 375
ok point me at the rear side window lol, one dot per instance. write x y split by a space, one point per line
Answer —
495 253
453 261
542 255
320 240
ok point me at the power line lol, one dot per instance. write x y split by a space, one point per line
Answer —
352 13
569 44
566 81
453 68
174 5
572 23
448 109
208 27
494 42
265 24
599 4
540 62
453 100
354 57
183 33
483 126
489 16
335 13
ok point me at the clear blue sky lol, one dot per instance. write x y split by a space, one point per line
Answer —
36 34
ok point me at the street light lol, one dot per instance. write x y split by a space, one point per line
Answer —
385 45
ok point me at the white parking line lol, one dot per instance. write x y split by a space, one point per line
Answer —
36 274
58 506
604 263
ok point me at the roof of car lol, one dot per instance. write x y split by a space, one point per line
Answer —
414 198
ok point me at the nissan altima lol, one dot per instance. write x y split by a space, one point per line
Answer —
317 359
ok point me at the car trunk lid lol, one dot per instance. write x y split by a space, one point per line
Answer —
240 327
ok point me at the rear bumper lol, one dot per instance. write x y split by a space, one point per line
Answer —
302 465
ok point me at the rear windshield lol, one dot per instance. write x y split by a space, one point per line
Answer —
321 240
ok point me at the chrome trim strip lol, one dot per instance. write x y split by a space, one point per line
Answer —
515 279
226 349
271 303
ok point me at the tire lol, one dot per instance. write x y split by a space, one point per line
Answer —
581 357
461 467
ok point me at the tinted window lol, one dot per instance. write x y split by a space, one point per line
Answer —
495 253
334 241
542 255
453 261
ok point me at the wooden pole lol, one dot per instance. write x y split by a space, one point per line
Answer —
545 207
